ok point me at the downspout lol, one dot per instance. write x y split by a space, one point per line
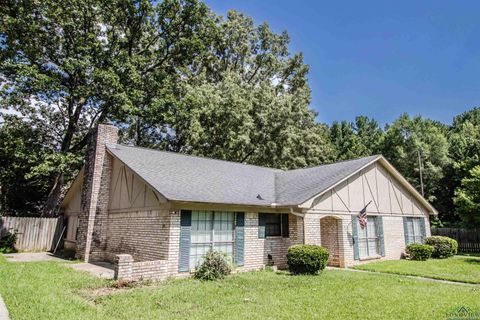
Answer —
302 215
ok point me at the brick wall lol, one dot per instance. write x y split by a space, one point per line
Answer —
93 219
330 239
257 249
144 234
312 229
127 269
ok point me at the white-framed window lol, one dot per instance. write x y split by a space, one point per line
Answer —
414 232
368 239
211 230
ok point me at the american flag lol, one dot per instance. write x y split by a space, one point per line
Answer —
362 217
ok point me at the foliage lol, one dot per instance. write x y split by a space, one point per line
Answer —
175 76
307 259
213 267
7 242
149 66
457 268
404 138
23 187
443 247
420 252
70 295
467 199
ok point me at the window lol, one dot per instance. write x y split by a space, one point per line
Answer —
211 230
368 239
274 224
414 230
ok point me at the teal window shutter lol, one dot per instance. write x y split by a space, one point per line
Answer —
261 225
185 230
356 254
423 230
285 226
240 239
405 230
381 238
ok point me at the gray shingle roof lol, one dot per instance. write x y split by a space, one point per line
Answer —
188 178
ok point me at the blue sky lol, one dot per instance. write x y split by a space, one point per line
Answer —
380 58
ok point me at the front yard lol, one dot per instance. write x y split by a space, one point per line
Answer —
48 290
457 268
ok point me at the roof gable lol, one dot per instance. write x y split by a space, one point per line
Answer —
188 178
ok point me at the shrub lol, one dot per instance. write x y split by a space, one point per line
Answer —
307 259
419 252
7 242
443 247
214 266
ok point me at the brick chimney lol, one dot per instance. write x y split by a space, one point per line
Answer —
92 222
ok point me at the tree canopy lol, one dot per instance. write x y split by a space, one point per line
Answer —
173 75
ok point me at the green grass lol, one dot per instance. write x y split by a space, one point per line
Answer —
457 268
49 290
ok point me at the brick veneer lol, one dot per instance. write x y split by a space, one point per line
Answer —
257 249
144 234
127 269
330 239
93 219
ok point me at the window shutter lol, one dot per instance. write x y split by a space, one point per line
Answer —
405 230
422 226
285 226
356 254
381 238
240 239
261 225
185 228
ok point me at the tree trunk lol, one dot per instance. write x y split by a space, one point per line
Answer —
53 200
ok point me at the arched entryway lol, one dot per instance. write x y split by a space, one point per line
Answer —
330 228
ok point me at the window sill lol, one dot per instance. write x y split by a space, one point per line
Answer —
370 258
276 237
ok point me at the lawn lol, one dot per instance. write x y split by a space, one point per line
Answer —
48 290
457 268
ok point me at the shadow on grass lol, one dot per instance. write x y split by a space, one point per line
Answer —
473 261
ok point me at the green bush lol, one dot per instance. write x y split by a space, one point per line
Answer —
214 266
443 247
7 242
307 259
419 252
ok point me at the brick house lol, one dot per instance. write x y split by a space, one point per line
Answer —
156 213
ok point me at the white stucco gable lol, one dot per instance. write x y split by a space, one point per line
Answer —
378 182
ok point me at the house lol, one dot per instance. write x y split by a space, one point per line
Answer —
155 213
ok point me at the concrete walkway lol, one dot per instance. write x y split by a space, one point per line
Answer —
3 310
407 276
32 257
98 269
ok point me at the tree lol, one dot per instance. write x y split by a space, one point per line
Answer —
405 138
361 138
467 199
23 189
235 121
464 150
68 65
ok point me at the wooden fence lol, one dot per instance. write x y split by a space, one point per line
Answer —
33 234
468 239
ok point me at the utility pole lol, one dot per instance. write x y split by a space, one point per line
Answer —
420 169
